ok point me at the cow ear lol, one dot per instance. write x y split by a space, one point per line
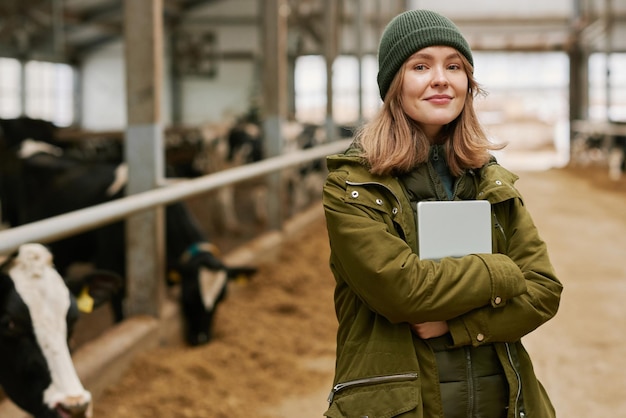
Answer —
96 288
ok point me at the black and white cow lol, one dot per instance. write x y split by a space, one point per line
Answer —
244 144
37 314
229 145
600 144
44 182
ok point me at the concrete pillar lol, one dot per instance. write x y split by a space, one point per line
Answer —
143 36
274 102
331 50
578 70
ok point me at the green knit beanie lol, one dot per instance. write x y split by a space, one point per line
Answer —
409 32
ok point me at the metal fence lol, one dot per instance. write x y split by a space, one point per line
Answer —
139 332
71 223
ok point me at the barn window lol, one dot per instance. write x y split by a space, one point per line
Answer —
49 92
9 88
310 80
598 83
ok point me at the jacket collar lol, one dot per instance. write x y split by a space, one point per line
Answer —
495 183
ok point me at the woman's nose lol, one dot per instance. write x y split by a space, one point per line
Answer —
439 78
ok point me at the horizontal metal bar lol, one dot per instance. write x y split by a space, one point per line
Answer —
599 127
71 223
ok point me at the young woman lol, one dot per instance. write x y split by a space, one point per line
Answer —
431 338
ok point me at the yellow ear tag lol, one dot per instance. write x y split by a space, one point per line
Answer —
174 277
242 279
84 301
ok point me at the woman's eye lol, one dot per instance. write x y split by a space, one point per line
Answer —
454 67
420 67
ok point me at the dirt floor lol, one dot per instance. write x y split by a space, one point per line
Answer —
272 335
273 350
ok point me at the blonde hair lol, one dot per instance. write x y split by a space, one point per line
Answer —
393 143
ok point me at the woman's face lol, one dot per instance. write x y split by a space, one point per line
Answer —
434 88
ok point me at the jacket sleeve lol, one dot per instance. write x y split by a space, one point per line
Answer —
523 313
368 254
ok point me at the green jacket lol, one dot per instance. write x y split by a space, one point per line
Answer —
382 369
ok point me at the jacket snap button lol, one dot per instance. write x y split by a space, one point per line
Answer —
394 211
379 202
497 300
480 337
498 182
355 194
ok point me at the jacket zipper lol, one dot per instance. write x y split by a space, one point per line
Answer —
470 382
432 176
374 183
519 381
403 377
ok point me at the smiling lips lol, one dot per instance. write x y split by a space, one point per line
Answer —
439 99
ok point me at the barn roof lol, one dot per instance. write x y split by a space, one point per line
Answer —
67 30
64 30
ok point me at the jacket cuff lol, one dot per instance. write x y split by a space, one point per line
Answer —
507 280
459 333
464 333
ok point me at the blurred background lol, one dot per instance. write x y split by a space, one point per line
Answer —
543 63
177 83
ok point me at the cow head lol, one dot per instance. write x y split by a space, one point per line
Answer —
37 312
204 283
245 144
14 131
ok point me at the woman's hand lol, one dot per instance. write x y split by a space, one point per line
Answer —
427 330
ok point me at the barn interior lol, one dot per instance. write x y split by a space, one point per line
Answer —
549 70
212 61
164 79
64 60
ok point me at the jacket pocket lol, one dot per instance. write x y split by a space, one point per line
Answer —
384 400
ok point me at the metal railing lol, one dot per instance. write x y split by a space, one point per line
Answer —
72 223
